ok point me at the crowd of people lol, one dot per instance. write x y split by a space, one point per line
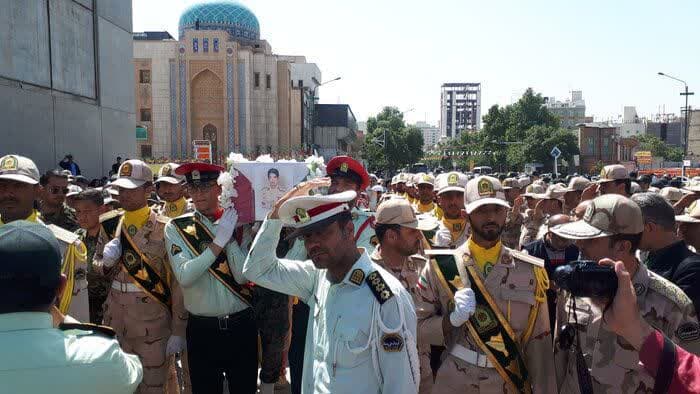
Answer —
422 283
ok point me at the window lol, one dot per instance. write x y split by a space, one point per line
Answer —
146 151
205 44
145 76
256 80
195 45
268 81
591 146
301 83
216 45
606 145
145 115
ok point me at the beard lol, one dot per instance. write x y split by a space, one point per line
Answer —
490 234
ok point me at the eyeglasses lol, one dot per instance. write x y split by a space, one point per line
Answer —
58 190
199 187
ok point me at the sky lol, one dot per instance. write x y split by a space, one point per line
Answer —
399 53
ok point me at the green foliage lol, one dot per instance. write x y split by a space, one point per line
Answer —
659 148
403 145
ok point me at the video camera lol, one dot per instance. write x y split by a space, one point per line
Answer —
585 278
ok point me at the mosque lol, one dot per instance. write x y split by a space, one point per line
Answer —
219 81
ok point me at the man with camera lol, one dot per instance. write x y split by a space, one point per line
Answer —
589 357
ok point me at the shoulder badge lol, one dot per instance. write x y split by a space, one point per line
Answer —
379 287
63 235
357 276
174 249
96 329
527 258
688 332
668 290
392 342
374 240
115 213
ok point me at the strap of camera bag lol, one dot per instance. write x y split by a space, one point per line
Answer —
667 366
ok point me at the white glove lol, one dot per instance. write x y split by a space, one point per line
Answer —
175 344
224 229
112 252
465 304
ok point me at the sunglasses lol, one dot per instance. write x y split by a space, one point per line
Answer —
199 187
58 190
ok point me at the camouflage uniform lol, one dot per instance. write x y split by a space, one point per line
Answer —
511 231
408 275
530 228
64 218
613 363
98 285
143 325
443 236
511 284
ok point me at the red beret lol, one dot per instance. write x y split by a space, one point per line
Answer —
342 164
199 172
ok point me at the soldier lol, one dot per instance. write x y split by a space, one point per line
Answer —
612 228
548 204
89 205
171 190
53 196
426 196
400 239
36 357
572 197
362 336
689 227
454 228
273 191
207 261
511 231
144 305
614 179
489 307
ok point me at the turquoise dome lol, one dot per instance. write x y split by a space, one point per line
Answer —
235 18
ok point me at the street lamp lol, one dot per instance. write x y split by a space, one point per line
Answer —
309 138
686 94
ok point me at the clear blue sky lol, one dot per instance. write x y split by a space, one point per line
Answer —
391 52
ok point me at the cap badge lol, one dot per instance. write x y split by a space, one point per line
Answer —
196 175
357 276
166 170
426 177
588 216
603 174
485 187
125 170
344 167
302 215
9 163
452 179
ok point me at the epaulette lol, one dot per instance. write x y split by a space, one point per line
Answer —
62 234
115 213
527 258
96 329
669 290
162 219
379 287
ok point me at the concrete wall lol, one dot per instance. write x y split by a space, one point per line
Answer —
694 134
67 86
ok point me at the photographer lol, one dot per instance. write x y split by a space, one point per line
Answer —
598 359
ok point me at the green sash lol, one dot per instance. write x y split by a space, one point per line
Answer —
198 238
111 225
138 266
487 326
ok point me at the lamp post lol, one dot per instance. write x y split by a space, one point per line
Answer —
685 93
309 140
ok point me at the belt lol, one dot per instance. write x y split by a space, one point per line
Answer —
126 287
224 322
470 356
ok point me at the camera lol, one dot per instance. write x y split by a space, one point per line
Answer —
585 278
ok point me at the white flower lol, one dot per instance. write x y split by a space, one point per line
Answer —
228 190
265 159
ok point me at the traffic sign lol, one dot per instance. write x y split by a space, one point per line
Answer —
686 163
555 153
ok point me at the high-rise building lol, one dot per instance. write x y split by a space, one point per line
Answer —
668 127
570 112
66 82
219 82
431 134
460 108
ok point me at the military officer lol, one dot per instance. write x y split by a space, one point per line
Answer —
273 191
362 336
207 261
572 197
425 203
400 240
145 305
615 179
511 231
489 307
53 206
454 228
36 357
612 227
170 188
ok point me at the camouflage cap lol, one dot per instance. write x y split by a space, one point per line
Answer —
484 190
510 183
19 168
554 192
613 172
399 211
451 181
671 194
692 215
534 190
578 184
607 215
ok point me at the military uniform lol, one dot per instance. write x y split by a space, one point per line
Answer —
176 208
444 238
64 218
269 196
511 231
530 227
97 284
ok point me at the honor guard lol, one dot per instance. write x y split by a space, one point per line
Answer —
36 356
589 356
362 336
489 307
207 261
425 203
454 229
170 188
511 231
400 239
145 305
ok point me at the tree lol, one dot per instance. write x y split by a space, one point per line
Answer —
659 148
403 145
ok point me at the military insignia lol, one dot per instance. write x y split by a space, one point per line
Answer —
484 320
191 230
302 215
426 177
131 230
130 258
392 342
485 187
9 163
196 175
354 215
223 268
639 289
373 240
344 167
603 175
688 332
588 215
452 179
357 276
457 282
457 227
488 267
165 170
172 207
80 274
158 289
175 250
125 170
142 274
380 289
203 246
